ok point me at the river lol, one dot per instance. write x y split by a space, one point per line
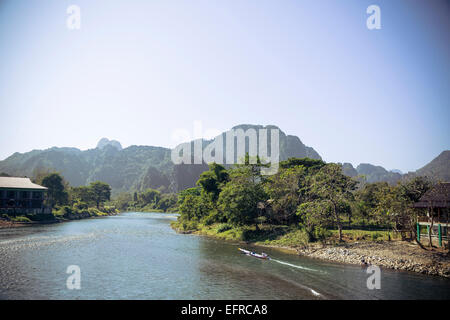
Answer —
139 256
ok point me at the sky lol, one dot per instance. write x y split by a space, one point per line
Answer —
138 71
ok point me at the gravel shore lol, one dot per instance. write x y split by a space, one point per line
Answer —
399 255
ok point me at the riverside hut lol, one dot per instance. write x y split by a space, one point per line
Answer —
436 204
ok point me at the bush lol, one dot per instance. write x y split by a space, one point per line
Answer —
21 219
94 212
223 227
321 234
375 236
79 206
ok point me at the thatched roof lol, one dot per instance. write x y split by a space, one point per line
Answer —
437 197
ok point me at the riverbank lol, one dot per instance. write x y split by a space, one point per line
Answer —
59 216
383 251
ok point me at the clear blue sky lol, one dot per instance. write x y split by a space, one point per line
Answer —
139 70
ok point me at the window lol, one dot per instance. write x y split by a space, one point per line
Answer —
37 195
11 194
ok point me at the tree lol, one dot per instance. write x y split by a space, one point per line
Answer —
331 187
123 200
83 194
149 196
239 199
285 190
101 192
213 180
57 194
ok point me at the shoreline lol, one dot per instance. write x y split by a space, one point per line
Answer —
395 254
6 224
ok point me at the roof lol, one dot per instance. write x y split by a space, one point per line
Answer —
19 183
438 197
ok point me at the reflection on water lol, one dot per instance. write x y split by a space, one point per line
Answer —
138 256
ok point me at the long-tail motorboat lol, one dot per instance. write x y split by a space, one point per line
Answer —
256 255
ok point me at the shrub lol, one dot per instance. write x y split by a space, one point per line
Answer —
223 227
375 236
321 234
94 212
21 219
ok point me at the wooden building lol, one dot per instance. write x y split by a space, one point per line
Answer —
20 196
435 206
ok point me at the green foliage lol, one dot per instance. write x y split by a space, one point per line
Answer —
212 181
56 193
223 227
20 219
310 165
101 192
306 194
239 199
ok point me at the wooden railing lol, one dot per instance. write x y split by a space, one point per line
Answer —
435 220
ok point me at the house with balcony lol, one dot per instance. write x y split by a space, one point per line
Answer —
20 196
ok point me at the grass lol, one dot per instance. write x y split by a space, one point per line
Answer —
364 235
285 236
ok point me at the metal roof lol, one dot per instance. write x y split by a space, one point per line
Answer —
19 183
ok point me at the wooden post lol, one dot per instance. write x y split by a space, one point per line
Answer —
418 232
440 235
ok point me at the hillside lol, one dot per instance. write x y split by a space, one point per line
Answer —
139 167
132 168
438 169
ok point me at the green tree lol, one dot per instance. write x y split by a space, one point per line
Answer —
56 193
285 190
331 187
101 192
83 194
213 180
149 196
123 200
239 198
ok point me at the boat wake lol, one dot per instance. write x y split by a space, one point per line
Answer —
294 265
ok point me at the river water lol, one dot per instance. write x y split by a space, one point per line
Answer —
138 256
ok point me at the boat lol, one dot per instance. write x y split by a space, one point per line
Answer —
253 254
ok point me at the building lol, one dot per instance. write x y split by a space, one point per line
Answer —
20 196
435 203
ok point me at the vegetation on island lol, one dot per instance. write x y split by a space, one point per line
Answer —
308 200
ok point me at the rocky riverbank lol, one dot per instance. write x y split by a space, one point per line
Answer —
395 254
399 255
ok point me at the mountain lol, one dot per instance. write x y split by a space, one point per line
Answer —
139 167
438 169
377 173
131 169
106 142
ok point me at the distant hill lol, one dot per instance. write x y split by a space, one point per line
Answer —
438 169
106 142
131 169
139 167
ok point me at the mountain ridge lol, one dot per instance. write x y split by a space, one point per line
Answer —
140 167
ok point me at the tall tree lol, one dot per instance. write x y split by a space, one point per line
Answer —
101 192
330 186
239 199
213 180
56 193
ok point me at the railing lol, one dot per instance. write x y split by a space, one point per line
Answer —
435 220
